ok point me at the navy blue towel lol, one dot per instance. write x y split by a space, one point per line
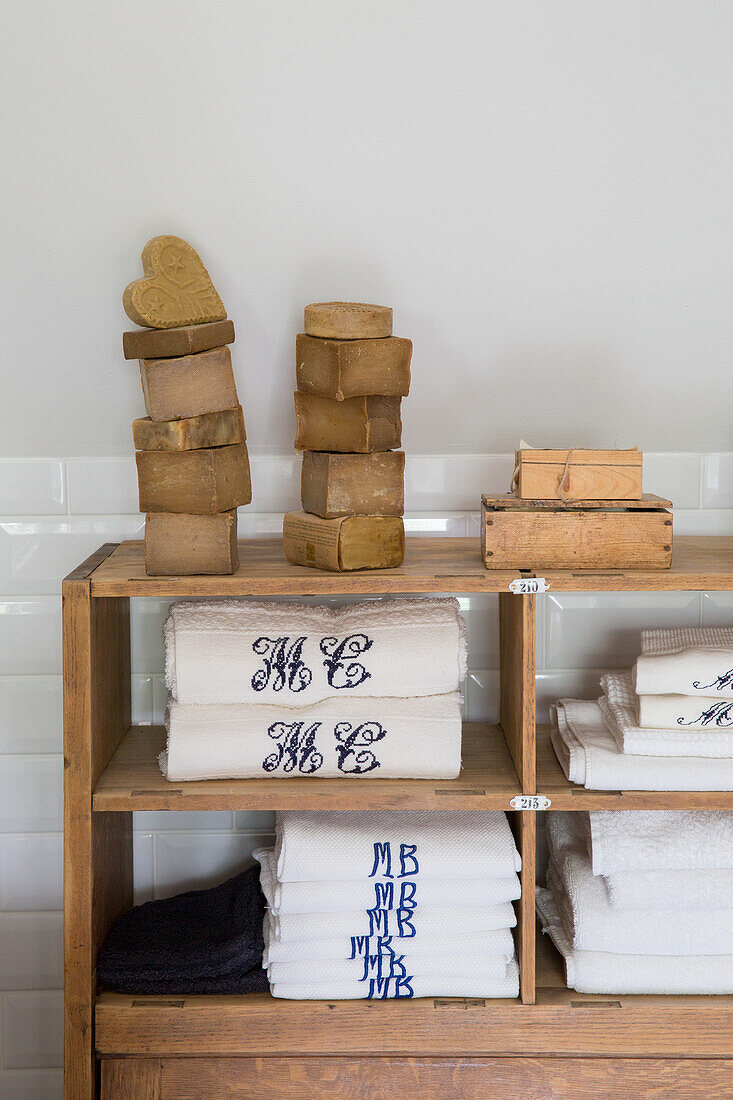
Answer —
203 941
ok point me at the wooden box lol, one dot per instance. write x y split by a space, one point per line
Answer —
585 475
582 534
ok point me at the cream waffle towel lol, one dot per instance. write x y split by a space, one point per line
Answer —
292 654
686 661
687 712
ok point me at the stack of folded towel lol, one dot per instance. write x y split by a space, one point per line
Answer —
641 902
389 904
281 689
666 725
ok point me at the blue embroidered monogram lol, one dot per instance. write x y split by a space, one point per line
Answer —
341 668
383 988
720 683
283 664
719 713
383 966
296 749
371 945
349 740
384 970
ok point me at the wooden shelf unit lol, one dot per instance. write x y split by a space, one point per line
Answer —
154 1047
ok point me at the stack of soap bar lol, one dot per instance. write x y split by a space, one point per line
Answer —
352 375
192 461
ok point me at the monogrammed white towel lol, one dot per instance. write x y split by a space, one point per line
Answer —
442 965
592 924
672 741
365 844
417 738
495 941
696 660
388 988
450 921
292 654
687 712
328 897
607 972
589 755
659 840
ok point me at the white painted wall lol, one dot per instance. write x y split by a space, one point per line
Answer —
541 189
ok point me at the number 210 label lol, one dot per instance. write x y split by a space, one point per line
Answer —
528 586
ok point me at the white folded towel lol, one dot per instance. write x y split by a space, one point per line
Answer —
362 969
686 661
388 988
401 923
659 840
292 654
589 755
699 890
328 897
366 844
606 972
491 942
418 738
592 924
672 741
690 712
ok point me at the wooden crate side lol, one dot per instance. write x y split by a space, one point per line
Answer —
138 1079
579 481
517 682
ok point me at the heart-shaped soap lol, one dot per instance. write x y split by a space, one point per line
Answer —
176 290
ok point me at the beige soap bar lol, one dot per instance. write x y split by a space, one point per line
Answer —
351 368
216 429
207 481
176 290
347 484
182 545
342 545
189 385
348 320
360 424
165 343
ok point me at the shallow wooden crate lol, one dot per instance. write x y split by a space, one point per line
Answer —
579 474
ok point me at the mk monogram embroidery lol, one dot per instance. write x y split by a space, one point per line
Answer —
353 757
719 713
342 670
283 665
720 683
296 748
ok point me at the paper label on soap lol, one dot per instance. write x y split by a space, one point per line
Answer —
530 802
528 586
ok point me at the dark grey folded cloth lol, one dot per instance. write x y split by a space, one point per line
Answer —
203 941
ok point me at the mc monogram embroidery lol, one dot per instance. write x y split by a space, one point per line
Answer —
283 665
720 683
296 749
353 756
342 670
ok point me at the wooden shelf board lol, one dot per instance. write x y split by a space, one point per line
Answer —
562 1022
564 795
133 781
699 563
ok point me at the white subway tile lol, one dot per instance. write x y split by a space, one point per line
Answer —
481 614
160 700
473 528
482 695
717 480
703 522
161 821
31 797
31 872
30 714
30 636
449 524
146 634
675 477
255 821
32 487
455 482
196 861
602 630
717 609
258 525
103 485
143 865
32 1084
143 705
275 482
577 684
31 951
33 1029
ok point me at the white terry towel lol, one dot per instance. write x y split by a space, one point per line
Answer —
699 890
696 660
606 972
688 712
672 741
445 965
247 651
589 755
344 845
448 986
660 840
448 921
328 897
592 924
417 738
492 942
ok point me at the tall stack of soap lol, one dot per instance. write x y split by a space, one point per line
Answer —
352 375
192 462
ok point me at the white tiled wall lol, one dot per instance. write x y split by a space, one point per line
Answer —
53 513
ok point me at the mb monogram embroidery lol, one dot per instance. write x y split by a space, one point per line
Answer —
353 757
393 915
341 668
719 713
296 748
720 683
283 665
